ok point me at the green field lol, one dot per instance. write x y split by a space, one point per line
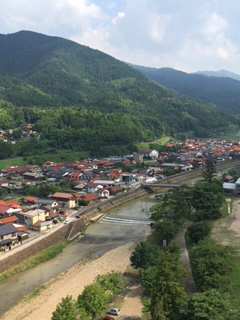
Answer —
57 156
161 141
13 162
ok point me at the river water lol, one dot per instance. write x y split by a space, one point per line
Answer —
121 225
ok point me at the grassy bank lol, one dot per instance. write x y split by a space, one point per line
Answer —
42 256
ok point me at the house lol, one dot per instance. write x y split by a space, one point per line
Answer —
65 200
8 220
109 183
31 217
42 225
8 236
89 197
102 193
31 175
30 199
115 190
230 188
52 203
87 175
75 176
3 210
93 187
81 185
127 177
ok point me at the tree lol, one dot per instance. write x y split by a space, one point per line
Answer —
6 150
93 300
207 199
198 231
66 310
208 305
145 255
147 278
209 171
174 205
111 282
212 266
165 230
168 296
146 307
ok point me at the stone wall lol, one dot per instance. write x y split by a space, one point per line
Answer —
34 247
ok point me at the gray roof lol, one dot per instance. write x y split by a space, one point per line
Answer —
45 201
7 229
229 186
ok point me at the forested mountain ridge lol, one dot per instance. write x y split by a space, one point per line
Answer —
221 91
220 73
79 98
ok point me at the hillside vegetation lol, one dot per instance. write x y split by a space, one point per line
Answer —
81 99
221 91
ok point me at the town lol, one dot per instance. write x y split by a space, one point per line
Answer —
38 198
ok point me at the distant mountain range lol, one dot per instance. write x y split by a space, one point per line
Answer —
220 73
221 88
42 71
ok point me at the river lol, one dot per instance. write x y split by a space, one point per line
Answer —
121 225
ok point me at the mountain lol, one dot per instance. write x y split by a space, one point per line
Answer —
220 73
88 99
221 91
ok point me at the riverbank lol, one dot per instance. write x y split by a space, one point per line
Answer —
72 282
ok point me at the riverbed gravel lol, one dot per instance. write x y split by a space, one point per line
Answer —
72 282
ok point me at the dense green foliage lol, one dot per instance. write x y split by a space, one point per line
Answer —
212 266
81 99
111 282
198 231
93 300
222 91
168 297
66 310
207 199
207 305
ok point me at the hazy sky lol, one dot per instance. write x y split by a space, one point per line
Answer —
187 35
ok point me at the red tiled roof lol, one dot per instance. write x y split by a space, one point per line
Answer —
89 197
8 220
12 203
67 196
30 198
3 209
22 228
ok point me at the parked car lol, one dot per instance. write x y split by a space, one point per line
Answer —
114 311
62 213
66 221
77 216
106 318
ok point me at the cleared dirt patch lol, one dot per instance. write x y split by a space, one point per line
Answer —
227 230
72 283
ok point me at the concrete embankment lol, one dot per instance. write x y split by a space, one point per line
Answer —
68 231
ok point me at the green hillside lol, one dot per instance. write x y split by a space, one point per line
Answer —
221 91
80 98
